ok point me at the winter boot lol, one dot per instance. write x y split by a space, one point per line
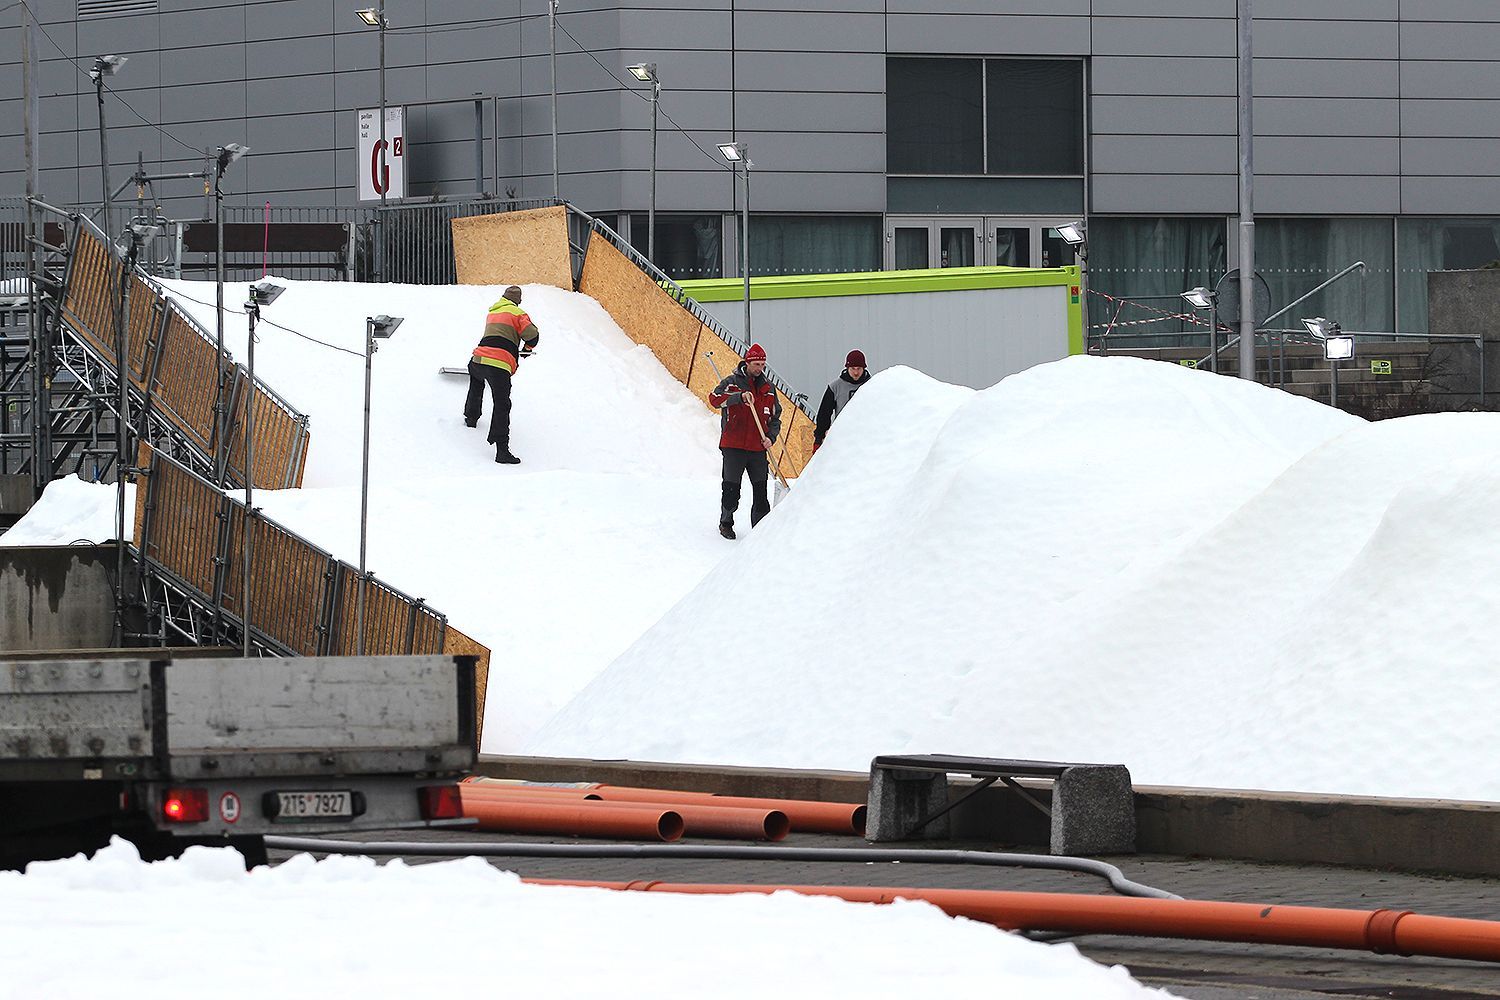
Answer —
506 458
727 530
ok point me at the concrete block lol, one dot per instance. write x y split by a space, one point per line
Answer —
1093 811
899 800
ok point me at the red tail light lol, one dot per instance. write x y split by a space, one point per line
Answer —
439 802
185 805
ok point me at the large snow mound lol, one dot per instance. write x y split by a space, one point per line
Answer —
343 927
1212 582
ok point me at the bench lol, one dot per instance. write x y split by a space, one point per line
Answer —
1092 810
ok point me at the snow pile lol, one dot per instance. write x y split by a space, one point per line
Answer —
1212 582
72 510
344 927
557 564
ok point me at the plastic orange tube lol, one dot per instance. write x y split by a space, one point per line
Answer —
805 816
583 819
530 794
1399 932
700 820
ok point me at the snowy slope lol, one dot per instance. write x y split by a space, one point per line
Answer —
1212 582
344 927
557 564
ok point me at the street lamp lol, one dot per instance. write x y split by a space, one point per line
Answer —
223 157
104 66
375 18
376 328
1076 235
262 294
737 153
1207 298
139 233
1336 348
646 73
552 48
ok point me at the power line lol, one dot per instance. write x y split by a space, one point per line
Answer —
465 26
718 161
83 72
296 333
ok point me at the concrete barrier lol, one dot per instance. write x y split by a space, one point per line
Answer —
56 597
1419 835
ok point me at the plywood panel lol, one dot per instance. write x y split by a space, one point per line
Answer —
704 378
518 248
796 442
641 307
456 643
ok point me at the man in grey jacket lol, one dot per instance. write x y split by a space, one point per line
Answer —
838 394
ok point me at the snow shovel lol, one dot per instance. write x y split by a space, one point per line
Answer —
780 489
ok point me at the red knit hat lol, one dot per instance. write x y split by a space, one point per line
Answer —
856 359
756 353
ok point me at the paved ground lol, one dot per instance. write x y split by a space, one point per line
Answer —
1199 970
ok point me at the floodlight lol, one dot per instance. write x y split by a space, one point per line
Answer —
1338 348
371 16
381 327
644 72
1321 327
229 153
144 231
734 152
265 293
1200 297
107 66
1073 233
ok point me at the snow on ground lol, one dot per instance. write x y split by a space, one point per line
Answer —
1214 583
557 564
345 927
73 510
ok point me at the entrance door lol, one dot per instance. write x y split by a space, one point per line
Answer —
967 241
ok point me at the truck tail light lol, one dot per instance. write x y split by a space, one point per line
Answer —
185 805
439 802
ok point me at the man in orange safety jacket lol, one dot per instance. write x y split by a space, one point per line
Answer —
509 335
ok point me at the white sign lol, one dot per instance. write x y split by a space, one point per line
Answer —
229 807
371 178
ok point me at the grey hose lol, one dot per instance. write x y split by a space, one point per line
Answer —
1087 866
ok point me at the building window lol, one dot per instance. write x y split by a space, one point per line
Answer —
934 116
1140 266
687 246
1035 115
1001 117
811 244
1297 255
1427 245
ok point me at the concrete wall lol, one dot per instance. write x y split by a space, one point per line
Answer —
1465 302
1363 107
972 337
56 597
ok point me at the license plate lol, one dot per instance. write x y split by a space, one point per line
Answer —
289 807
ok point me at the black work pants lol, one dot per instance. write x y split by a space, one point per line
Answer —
498 380
738 462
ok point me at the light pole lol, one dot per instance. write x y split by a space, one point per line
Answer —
1207 298
552 48
738 153
1336 348
262 294
104 66
138 233
1245 53
222 159
646 73
376 328
375 18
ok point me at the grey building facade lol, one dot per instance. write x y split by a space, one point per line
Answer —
886 134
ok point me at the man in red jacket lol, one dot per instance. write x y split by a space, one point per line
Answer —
750 418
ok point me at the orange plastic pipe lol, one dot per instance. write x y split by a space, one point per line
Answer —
1399 932
583 819
700 820
805 816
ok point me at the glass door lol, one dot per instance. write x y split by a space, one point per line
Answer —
960 243
909 249
913 243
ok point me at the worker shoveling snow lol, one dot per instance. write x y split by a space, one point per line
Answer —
1212 582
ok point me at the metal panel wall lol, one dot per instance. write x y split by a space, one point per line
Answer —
1405 118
